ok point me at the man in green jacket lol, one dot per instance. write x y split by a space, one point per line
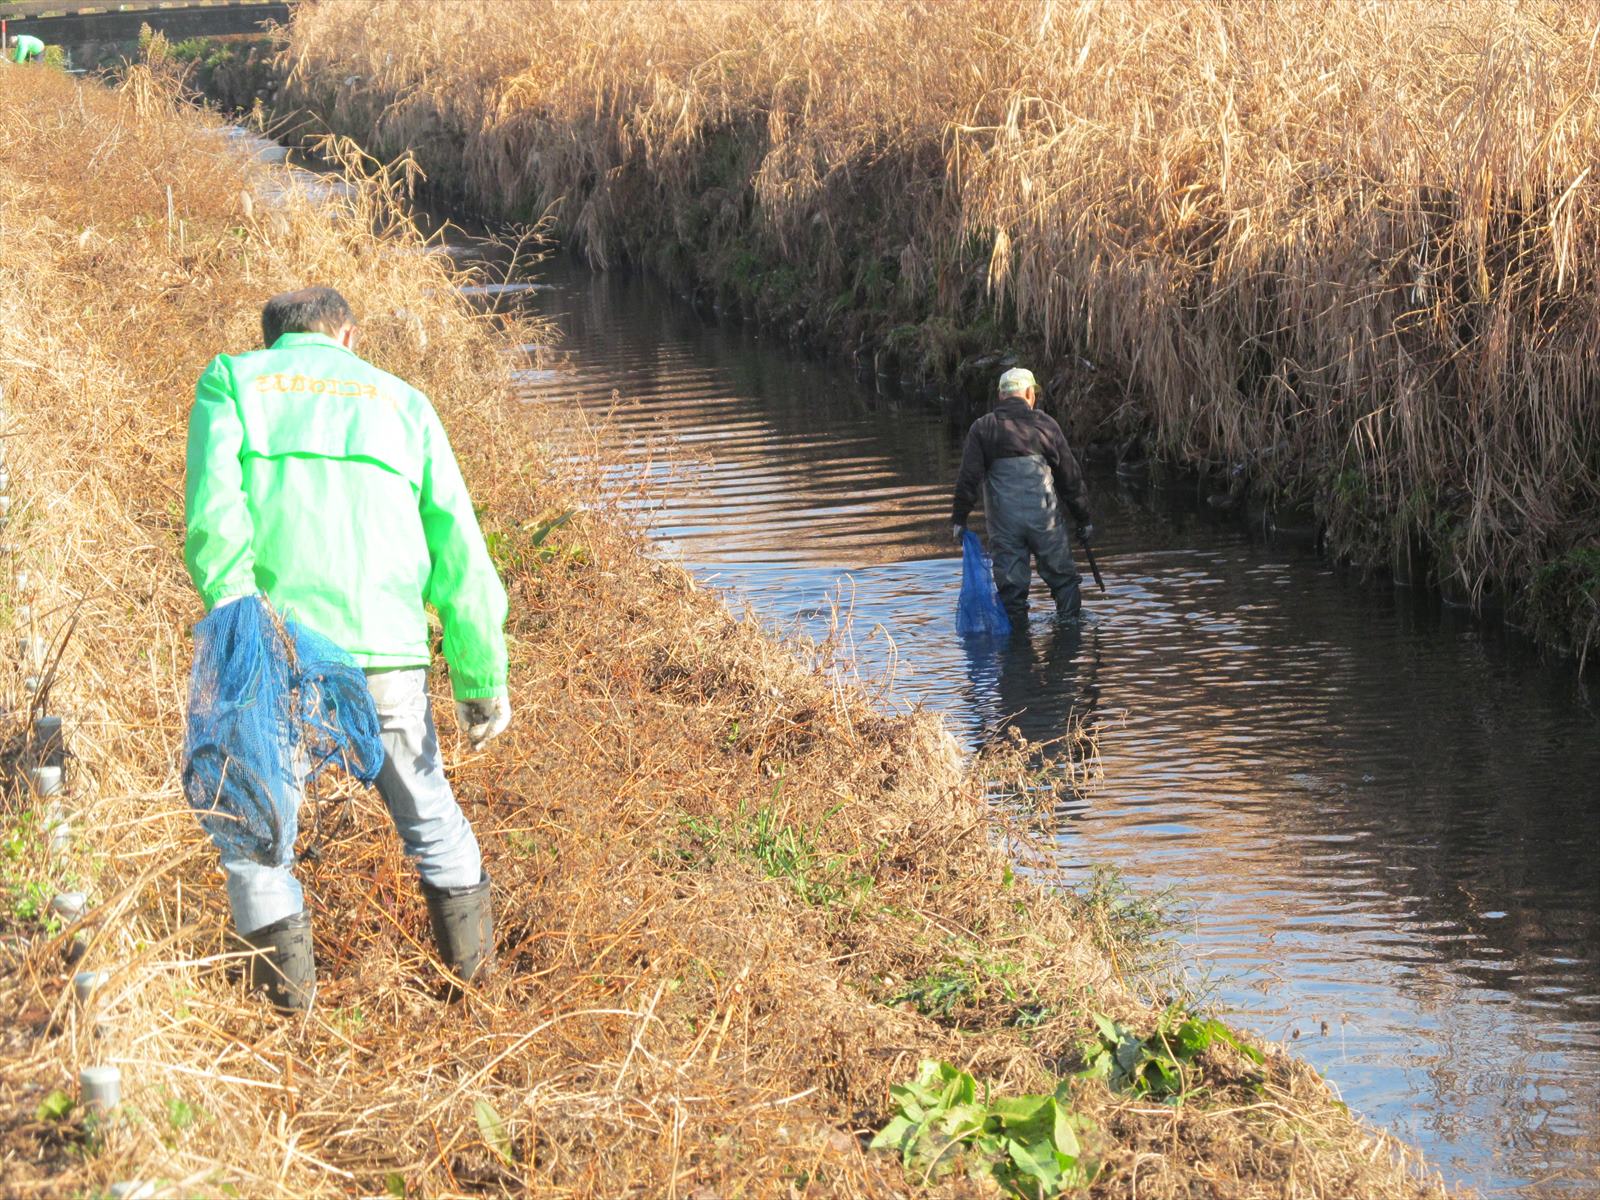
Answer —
330 487
26 48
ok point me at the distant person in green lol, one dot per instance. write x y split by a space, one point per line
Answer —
26 48
330 487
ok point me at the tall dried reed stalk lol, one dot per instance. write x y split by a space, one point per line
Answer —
712 866
1350 245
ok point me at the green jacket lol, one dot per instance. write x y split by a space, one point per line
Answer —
25 45
330 485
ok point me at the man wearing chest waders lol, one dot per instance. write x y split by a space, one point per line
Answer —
26 48
329 486
1021 459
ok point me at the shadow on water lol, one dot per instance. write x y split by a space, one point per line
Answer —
1384 817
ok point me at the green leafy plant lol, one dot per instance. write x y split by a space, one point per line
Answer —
30 901
524 547
180 1113
495 1134
25 890
1163 1065
57 1106
1029 1145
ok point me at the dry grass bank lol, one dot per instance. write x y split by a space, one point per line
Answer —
1349 245
714 868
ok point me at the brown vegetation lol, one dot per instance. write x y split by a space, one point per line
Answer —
713 866
1351 246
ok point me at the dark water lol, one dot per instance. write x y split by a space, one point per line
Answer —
1384 819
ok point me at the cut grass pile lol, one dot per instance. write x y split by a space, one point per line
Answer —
1350 247
736 905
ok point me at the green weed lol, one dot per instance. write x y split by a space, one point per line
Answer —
1028 1145
1162 1066
180 1113
25 881
782 851
350 1019
495 1135
524 547
958 986
1133 927
57 1106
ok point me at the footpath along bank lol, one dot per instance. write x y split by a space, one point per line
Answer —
737 905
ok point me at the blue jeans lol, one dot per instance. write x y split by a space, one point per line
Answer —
414 789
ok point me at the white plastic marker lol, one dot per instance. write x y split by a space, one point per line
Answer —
100 1088
69 906
45 781
84 983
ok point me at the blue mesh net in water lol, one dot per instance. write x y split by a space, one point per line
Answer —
979 611
272 705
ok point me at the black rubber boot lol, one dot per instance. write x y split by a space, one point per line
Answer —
283 966
463 925
1069 603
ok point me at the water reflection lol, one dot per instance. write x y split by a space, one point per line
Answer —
1036 685
1383 816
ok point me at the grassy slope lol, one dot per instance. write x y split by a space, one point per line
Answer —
712 865
1345 245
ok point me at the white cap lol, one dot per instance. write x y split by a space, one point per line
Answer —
1016 381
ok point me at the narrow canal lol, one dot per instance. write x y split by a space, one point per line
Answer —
1379 819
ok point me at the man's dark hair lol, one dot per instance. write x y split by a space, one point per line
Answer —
310 310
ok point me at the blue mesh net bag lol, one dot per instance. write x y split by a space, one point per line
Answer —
272 704
979 612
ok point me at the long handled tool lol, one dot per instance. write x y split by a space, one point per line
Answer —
1093 566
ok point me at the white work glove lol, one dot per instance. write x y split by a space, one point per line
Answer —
227 600
483 718
956 531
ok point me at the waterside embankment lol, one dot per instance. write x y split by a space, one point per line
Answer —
736 904
1337 256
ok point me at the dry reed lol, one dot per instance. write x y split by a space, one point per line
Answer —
1349 246
678 1011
